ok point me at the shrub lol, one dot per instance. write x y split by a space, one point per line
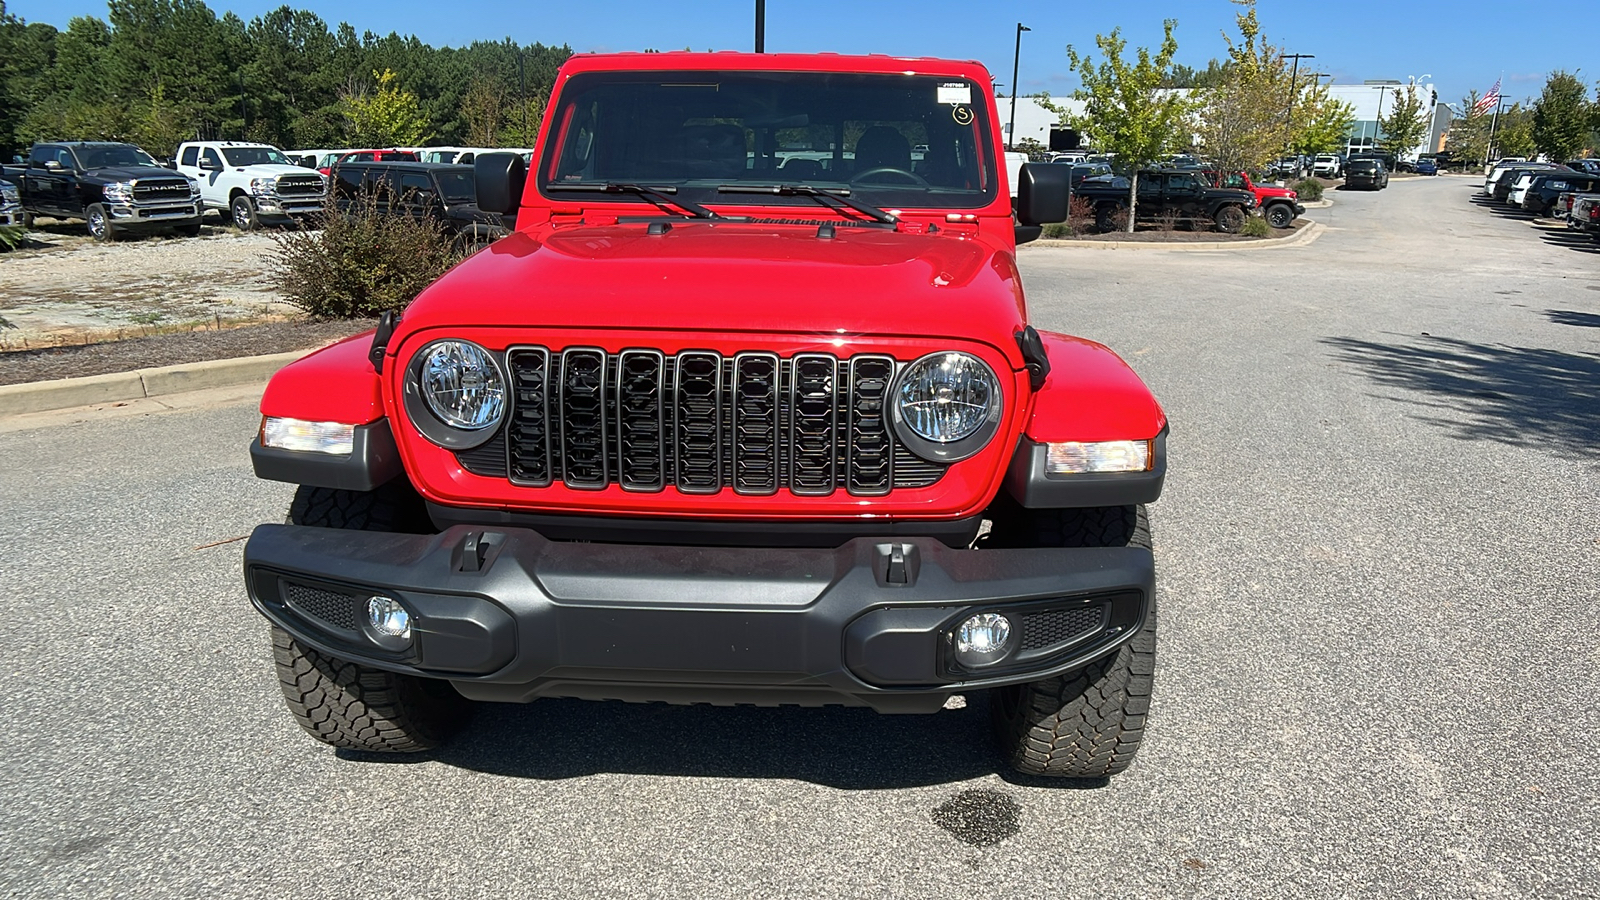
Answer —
1059 230
1080 215
1255 226
359 263
1309 189
12 236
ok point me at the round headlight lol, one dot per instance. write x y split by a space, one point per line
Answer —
462 385
947 406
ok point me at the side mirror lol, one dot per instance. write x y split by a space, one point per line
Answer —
1043 194
500 178
210 165
52 165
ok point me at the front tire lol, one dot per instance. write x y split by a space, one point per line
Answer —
1230 219
1086 723
1280 215
99 223
243 212
356 707
345 704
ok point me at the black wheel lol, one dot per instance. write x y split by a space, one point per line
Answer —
99 222
345 704
1104 218
243 212
1280 215
1230 219
355 707
1086 723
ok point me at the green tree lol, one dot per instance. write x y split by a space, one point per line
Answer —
1324 125
1406 125
384 114
1468 137
1126 111
1562 117
1513 134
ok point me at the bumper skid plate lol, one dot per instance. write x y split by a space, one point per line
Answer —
505 614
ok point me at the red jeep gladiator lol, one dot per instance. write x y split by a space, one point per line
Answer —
1280 206
748 410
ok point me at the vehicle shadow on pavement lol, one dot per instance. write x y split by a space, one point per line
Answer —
1573 318
1521 396
845 748
1580 241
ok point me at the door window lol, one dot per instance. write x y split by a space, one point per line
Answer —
416 189
190 155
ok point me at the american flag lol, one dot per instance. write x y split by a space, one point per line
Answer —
1490 100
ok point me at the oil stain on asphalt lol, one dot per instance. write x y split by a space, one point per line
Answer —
980 817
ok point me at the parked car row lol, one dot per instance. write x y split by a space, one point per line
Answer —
1568 192
117 189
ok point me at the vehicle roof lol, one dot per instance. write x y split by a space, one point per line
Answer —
404 164
730 60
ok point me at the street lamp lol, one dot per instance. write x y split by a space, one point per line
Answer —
1016 60
761 26
1288 117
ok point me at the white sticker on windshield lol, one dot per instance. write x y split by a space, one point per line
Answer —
955 93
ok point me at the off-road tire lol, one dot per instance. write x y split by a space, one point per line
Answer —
104 230
393 507
355 707
1230 219
1280 215
1086 723
1105 218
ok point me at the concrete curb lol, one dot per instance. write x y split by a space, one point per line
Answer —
1324 203
66 393
1305 235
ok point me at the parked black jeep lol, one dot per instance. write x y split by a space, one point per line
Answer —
1180 194
444 193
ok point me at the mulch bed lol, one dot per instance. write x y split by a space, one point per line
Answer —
1153 234
19 366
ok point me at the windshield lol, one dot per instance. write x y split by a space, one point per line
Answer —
105 157
254 156
891 140
457 187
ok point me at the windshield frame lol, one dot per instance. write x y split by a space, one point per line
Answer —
766 152
282 160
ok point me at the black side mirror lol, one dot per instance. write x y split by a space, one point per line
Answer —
1043 194
500 178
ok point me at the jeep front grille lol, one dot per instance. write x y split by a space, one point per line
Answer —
699 422
147 190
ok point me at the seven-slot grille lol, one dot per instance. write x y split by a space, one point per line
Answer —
700 422
160 189
299 185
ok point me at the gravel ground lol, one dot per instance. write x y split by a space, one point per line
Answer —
1379 572
101 358
77 290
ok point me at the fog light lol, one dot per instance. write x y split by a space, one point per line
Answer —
983 640
388 623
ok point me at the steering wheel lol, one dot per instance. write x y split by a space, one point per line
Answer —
890 170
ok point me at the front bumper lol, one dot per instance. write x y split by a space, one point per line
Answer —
294 206
135 216
510 616
11 215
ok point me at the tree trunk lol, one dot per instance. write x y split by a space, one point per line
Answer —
1133 199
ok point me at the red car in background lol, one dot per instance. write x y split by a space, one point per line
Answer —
1280 206
370 156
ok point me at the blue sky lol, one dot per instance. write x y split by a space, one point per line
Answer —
1353 41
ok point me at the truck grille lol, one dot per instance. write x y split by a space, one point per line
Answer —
299 186
699 422
157 189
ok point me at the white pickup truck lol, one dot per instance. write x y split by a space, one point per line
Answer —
251 183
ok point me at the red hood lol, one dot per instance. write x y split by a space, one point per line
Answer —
725 277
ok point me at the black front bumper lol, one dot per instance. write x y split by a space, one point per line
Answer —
508 615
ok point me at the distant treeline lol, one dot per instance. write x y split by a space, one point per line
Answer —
158 72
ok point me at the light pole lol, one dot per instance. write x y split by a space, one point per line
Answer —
1288 116
1016 60
761 26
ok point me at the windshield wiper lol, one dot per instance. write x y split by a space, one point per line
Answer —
833 199
657 195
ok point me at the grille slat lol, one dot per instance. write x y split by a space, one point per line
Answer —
299 185
701 422
161 189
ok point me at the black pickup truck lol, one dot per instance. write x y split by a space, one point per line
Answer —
1178 193
115 188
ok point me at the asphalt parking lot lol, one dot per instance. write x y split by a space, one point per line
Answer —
1377 671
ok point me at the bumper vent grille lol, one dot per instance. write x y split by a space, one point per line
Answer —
700 422
1058 626
329 607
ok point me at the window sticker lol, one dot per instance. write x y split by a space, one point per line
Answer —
961 114
955 94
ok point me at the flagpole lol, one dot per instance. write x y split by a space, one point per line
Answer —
1494 123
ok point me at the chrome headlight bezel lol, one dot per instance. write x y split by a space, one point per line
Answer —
9 194
264 185
430 423
958 449
118 192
